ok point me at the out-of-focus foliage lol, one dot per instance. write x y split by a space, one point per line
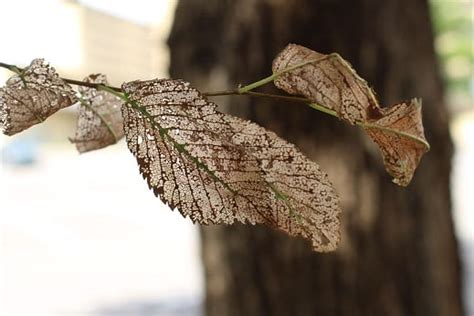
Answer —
454 27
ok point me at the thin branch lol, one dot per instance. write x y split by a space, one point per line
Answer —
91 85
246 90
256 94
96 86
277 96
306 101
12 68
220 93
241 91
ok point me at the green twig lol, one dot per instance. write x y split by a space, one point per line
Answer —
275 75
19 71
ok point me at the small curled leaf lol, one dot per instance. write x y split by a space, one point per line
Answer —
400 137
32 96
100 121
216 168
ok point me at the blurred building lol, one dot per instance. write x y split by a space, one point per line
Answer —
79 40
119 48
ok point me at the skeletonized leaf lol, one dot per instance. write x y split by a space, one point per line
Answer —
100 121
312 205
31 97
188 164
400 137
217 168
331 82
328 80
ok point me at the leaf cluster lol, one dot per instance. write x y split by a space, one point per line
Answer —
217 168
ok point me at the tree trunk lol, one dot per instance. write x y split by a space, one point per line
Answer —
398 255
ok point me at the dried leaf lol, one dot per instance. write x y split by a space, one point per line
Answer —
100 121
312 205
328 80
216 168
31 97
400 137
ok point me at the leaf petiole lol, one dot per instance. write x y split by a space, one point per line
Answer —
275 75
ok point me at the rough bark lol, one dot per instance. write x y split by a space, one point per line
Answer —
398 255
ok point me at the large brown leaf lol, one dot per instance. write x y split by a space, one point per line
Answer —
216 168
32 96
401 139
100 121
330 81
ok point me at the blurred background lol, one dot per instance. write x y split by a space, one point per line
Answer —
82 234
